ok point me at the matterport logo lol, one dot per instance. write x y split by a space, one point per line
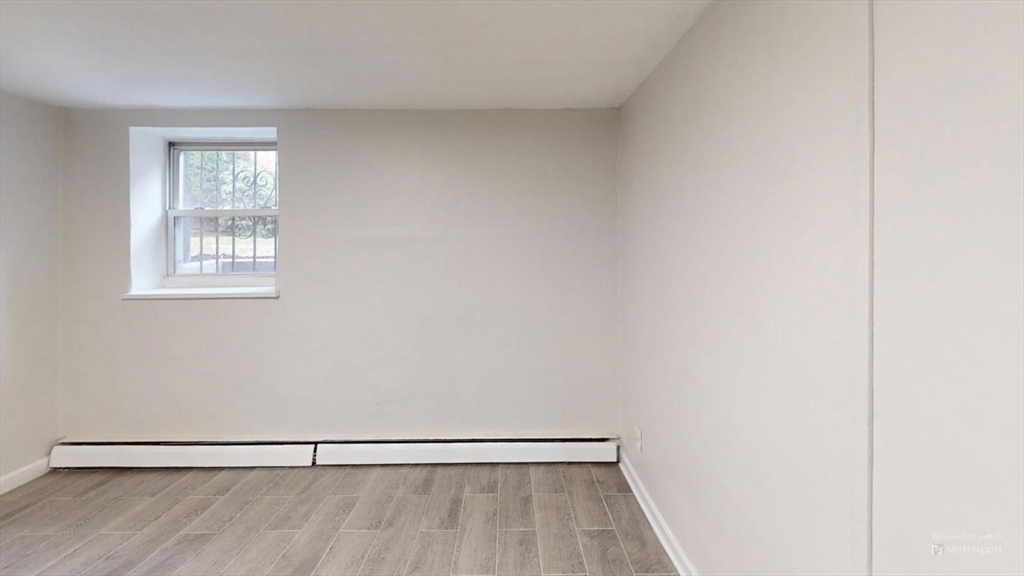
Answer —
962 543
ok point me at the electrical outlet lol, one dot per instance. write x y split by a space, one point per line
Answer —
638 438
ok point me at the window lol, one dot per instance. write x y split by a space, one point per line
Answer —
222 211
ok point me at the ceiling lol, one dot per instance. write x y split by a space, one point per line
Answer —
366 54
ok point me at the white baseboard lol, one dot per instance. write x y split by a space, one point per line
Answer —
668 540
24 475
179 455
465 452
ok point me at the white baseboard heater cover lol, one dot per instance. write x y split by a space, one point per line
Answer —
180 455
455 452
175 455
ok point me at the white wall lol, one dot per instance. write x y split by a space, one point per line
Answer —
744 210
441 274
949 287
30 165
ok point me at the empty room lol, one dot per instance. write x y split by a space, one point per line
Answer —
511 287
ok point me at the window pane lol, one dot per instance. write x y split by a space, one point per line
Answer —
231 245
226 179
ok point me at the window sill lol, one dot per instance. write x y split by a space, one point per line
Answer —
203 293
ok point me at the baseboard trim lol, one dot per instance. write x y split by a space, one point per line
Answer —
179 456
668 540
466 452
24 475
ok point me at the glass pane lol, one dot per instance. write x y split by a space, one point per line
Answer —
226 179
230 245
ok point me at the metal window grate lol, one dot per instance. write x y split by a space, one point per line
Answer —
223 209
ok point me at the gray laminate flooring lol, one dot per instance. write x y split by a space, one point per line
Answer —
516 520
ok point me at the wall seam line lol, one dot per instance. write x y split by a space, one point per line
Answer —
871 287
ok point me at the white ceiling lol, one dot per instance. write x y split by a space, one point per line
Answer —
299 54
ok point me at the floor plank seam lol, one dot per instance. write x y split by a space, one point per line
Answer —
281 553
419 529
405 570
497 523
458 526
94 563
386 514
323 502
614 527
572 514
540 557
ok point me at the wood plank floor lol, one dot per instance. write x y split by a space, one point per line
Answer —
485 519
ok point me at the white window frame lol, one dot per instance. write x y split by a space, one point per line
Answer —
172 211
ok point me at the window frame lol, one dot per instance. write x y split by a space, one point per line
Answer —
172 279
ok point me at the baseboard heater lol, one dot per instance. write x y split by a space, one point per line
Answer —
171 455
330 452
